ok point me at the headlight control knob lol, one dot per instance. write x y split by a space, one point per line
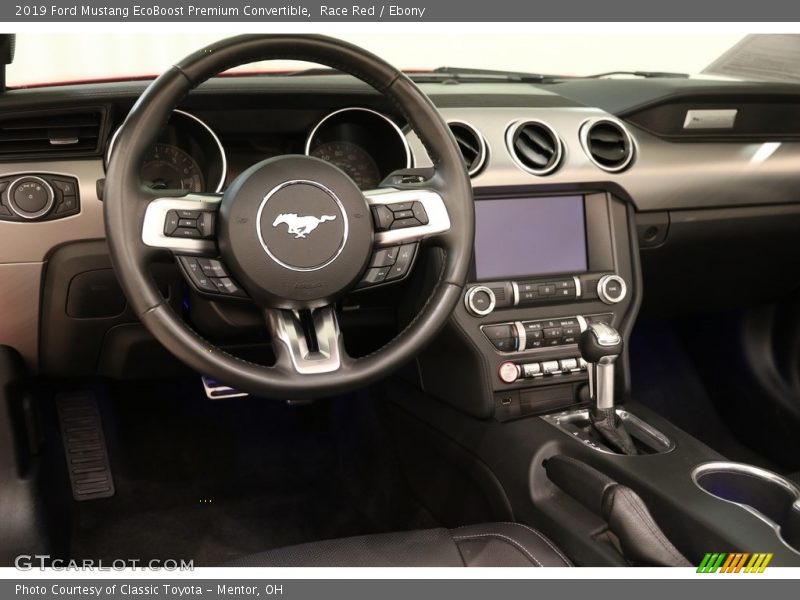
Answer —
30 197
480 300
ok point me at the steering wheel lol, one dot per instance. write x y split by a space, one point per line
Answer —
295 233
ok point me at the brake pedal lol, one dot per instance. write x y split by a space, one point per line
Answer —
84 446
219 391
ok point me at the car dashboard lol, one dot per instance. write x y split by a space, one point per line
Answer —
595 199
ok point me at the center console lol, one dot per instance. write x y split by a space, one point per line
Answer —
543 333
546 266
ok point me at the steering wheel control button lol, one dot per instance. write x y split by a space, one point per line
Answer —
189 224
400 215
212 267
611 289
385 257
508 372
383 217
480 300
191 266
419 213
209 276
374 276
401 267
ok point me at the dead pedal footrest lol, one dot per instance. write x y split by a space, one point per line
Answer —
219 391
84 446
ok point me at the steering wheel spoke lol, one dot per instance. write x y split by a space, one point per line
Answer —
184 225
308 342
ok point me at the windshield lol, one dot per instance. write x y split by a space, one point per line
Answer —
49 59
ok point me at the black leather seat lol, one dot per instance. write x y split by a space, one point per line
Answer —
490 545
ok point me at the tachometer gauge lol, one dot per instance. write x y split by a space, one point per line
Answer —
167 167
353 160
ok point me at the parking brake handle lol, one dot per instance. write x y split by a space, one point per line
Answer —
627 516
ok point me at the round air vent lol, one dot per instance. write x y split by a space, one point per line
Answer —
534 146
608 144
471 144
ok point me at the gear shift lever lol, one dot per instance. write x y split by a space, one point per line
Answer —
600 345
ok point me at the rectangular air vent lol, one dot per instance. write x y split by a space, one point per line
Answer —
52 133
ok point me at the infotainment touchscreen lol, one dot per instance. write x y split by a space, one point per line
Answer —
521 237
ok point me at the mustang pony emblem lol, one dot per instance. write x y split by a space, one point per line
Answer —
300 227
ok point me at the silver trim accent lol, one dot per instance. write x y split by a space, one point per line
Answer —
582 323
567 422
603 294
522 336
39 213
64 141
578 290
221 391
515 292
509 138
482 144
287 329
710 118
223 156
156 215
438 217
401 135
468 300
605 334
583 136
753 471
517 371
330 193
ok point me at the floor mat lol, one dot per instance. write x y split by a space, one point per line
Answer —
664 379
214 480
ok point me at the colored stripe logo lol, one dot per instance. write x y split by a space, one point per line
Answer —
737 562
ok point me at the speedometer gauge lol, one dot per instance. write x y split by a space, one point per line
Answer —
167 167
353 160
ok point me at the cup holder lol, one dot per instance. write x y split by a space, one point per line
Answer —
772 498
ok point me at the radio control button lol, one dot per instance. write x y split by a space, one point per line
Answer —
569 364
551 367
480 300
611 289
547 289
532 370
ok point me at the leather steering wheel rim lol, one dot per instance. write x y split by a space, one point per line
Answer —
124 209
